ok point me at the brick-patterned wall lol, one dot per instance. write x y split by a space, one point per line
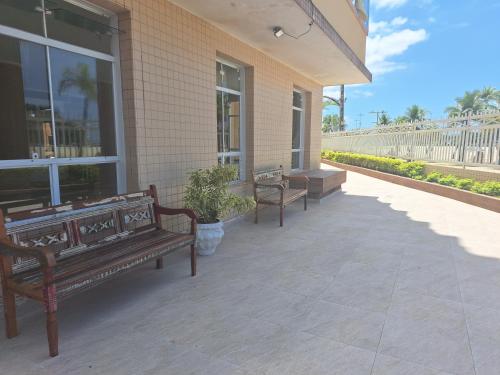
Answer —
168 77
468 172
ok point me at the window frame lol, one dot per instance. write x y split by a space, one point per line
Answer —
54 162
242 153
299 150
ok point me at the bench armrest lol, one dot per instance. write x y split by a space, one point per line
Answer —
179 211
303 179
44 255
176 211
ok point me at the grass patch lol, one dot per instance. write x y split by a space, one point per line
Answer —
412 169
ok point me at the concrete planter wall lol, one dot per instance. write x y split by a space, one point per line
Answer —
479 200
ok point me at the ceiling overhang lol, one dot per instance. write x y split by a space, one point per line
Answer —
320 54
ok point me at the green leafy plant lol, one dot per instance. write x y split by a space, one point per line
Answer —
208 194
392 165
433 177
448 180
464 183
488 188
412 169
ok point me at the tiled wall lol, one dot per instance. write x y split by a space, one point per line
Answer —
168 77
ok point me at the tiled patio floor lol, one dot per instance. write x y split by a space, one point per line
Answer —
378 279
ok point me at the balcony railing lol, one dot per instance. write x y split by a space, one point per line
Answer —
363 10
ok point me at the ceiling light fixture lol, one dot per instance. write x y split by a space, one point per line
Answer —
278 32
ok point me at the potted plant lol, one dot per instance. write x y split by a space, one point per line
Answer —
208 195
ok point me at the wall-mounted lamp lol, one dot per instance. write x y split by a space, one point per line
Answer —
278 31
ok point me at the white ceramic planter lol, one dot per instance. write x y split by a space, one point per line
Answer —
208 237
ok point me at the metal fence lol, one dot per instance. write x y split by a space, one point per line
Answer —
469 139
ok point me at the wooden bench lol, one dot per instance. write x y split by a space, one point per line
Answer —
51 253
271 187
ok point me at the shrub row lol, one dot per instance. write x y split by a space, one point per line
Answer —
412 169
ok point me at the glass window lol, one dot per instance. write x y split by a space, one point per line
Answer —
72 24
24 189
297 120
297 99
55 104
229 132
297 130
79 182
25 15
296 160
231 122
25 117
83 105
227 76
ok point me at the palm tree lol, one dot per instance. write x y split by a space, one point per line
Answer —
416 113
470 102
401 120
490 97
82 79
331 123
475 101
384 120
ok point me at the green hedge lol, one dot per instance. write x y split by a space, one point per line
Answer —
412 169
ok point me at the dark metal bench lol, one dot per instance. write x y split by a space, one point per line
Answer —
271 187
51 253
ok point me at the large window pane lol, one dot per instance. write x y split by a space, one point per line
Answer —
297 99
220 124
231 122
72 24
297 119
296 160
24 189
227 77
79 182
83 105
25 15
25 118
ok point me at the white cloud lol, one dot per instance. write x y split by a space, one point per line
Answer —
332 91
399 21
385 27
380 48
388 3
362 94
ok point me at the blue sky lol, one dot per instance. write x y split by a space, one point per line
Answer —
425 52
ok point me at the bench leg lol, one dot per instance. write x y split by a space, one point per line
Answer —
282 214
193 260
159 263
305 202
9 305
50 303
256 213
52 333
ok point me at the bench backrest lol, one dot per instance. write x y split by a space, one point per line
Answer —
81 226
266 176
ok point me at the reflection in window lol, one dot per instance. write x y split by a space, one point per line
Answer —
83 105
24 189
82 182
25 118
228 99
25 15
72 24
297 130
228 77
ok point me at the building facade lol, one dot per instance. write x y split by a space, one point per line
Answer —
108 96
